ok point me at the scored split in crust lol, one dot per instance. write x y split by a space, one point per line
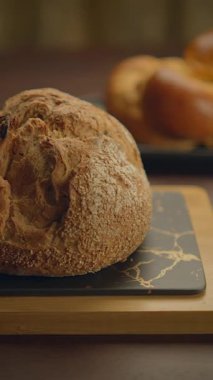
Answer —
74 196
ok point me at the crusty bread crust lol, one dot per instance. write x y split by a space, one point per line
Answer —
74 197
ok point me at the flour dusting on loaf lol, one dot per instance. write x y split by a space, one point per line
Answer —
74 197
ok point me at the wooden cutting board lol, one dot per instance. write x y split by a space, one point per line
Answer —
144 313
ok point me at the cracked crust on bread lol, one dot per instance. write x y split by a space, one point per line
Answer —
74 196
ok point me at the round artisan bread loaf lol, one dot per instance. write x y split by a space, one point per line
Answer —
74 197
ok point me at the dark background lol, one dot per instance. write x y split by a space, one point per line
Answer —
77 24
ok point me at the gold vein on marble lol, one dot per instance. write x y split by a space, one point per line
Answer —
175 255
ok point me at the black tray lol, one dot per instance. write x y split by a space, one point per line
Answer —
168 262
194 160
198 160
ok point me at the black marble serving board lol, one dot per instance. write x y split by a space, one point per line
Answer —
168 262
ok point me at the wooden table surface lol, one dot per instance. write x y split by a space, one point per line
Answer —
42 357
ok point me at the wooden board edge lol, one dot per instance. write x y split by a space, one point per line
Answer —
28 317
